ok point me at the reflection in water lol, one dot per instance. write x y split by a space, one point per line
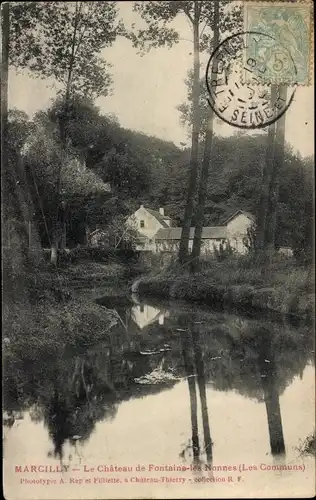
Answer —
10 417
199 363
144 315
268 371
194 368
71 390
190 374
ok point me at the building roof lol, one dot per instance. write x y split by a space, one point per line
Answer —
208 233
161 218
236 213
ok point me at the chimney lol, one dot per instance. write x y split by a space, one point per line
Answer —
162 211
142 206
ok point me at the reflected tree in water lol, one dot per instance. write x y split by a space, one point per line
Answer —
268 371
72 388
190 374
194 369
199 363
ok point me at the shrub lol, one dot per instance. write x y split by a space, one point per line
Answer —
224 251
160 262
74 323
98 254
157 286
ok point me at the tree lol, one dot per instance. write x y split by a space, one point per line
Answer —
158 16
185 234
221 20
4 136
134 164
19 130
197 240
266 177
64 42
4 90
124 163
125 234
21 248
186 108
78 185
237 164
98 146
277 164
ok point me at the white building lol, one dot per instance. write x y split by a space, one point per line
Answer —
148 222
158 234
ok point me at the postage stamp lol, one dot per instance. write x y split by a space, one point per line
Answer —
247 105
279 41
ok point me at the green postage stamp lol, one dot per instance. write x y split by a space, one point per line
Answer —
278 41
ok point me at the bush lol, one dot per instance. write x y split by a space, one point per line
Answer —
75 323
224 251
156 286
96 254
103 255
155 262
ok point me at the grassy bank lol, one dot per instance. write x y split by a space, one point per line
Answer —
49 309
243 282
51 316
88 268
93 274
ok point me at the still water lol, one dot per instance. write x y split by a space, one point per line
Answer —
180 398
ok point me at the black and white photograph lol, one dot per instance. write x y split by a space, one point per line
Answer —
158 265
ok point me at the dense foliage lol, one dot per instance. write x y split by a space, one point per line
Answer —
64 41
142 169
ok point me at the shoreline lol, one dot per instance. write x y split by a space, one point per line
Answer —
242 298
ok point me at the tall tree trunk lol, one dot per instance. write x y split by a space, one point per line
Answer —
266 176
4 98
186 226
63 224
27 209
275 177
308 236
5 177
59 229
16 207
57 226
197 242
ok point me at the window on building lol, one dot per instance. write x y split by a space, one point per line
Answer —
142 223
142 309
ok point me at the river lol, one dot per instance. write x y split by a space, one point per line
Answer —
187 401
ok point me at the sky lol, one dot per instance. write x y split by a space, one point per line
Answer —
147 89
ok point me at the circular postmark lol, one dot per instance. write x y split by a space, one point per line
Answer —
238 93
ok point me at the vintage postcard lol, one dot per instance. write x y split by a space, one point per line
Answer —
158 249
